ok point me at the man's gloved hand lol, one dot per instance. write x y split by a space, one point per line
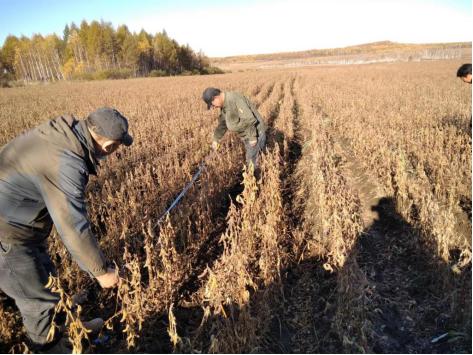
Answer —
215 145
253 143
108 280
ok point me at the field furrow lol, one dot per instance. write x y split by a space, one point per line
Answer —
356 236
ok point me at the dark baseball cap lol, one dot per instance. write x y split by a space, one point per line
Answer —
209 95
109 123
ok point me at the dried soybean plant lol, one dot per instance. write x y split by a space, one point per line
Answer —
231 261
75 328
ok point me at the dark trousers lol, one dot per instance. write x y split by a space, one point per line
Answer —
24 272
252 153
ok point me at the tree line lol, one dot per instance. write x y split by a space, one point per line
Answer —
97 50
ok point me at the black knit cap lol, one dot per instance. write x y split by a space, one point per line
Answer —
109 123
209 95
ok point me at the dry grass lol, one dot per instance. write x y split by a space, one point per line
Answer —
284 263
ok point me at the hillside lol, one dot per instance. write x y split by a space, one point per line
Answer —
384 51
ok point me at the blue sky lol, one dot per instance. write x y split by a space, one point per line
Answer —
221 28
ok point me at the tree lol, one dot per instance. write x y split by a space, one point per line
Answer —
8 53
122 33
5 76
109 45
74 27
97 47
74 58
185 58
202 61
165 52
3 70
66 33
83 40
145 53
92 34
23 63
52 47
127 49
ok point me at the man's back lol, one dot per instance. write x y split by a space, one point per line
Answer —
28 164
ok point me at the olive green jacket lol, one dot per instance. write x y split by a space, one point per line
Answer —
239 115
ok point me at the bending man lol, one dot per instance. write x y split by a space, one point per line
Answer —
239 115
43 177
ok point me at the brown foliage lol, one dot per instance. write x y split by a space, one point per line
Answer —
279 263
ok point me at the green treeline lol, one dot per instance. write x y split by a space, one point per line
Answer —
98 51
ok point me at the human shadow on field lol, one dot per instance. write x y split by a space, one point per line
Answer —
413 296
390 280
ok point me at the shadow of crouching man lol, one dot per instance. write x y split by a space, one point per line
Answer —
414 295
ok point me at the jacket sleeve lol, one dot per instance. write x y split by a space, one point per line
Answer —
221 128
63 190
247 119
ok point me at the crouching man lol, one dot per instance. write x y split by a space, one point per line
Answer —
43 178
239 115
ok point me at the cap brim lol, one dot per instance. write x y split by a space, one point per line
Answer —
127 140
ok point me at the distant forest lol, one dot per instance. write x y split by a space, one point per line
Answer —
98 51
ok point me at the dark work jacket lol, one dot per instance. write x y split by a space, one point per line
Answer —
43 177
239 115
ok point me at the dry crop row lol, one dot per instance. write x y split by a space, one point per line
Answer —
413 132
277 264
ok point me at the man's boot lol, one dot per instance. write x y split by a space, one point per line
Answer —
62 344
94 325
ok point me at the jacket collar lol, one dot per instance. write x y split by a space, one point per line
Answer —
83 135
225 101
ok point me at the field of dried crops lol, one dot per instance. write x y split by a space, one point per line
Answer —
357 238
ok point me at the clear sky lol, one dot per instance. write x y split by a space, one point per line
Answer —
223 28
